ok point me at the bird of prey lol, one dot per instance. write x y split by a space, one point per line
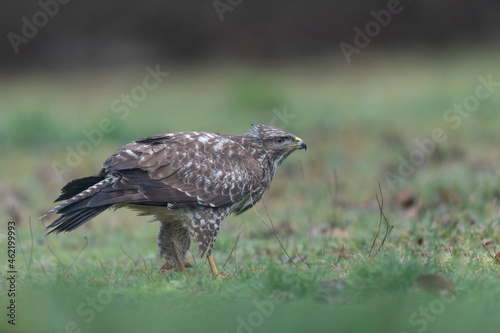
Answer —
189 181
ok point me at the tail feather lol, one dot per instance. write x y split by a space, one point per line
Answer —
72 220
80 189
76 186
75 210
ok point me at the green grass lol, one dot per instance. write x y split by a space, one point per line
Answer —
357 121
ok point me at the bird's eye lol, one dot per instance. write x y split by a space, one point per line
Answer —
279 140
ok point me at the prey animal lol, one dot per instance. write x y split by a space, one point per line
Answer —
189 181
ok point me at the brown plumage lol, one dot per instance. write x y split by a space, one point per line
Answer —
190 181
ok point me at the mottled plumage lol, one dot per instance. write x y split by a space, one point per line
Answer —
190 181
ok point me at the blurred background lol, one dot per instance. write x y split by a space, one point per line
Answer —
401 93
360 81
92 33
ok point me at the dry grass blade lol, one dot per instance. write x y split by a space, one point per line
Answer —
83 248
489 252
334 194
272 229
103 267
303 259
134 262
382 217
31 248
67 268
379 228
234 247
341 255
58 259
28 262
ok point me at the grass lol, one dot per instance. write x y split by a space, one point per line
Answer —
357 122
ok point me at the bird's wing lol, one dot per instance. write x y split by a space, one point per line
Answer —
182 169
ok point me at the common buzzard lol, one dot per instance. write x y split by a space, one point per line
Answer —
190 181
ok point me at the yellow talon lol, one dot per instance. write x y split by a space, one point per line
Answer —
215 271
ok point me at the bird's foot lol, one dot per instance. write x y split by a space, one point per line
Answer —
170 268
222 275
215 271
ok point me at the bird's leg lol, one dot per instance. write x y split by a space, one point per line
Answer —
173 243
211 261
180 264
167 268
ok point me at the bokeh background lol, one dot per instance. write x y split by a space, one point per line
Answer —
66 66
91 33
75 84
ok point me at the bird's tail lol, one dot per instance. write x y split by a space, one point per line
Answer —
75 211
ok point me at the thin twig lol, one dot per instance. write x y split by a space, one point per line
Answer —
232 250
379 227
302 258
272 229
31 248
55 256
103 268
146 267
489 253
131 259
334 194
388 231
388 228
342 251
134 262
382 217
83 248
28 263
21 247
309 207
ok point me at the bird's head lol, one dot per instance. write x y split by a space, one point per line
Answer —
276 142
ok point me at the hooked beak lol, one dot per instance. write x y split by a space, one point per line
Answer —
300 144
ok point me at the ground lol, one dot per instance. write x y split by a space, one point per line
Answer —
382 120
